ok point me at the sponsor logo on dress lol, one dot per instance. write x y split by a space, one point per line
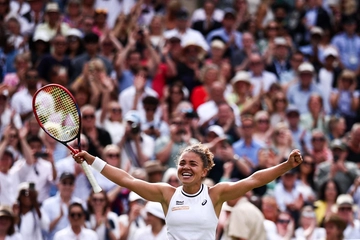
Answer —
179 202
204 202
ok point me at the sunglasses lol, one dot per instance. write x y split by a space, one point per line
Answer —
280 100
67 183
100 200
283 221
110 155
177 123
29 77
60 43
345 209
319 139
116 110
76 215
150 109
263 121
90 116
247 126
308 163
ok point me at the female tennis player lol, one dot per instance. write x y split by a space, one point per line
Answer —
191 210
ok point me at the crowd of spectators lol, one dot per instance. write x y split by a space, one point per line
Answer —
252 79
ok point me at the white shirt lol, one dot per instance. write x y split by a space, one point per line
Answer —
5 119
15 236
115 129
105 184
114 8
101 230
8 188
284 197
39 173
266 79
325 84
209 109
353 232
135 226
126 99
318 233
21 101
146 234
82 186
51 207
199 15
190 36
67 233
31 226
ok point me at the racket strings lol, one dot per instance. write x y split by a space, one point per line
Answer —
57 113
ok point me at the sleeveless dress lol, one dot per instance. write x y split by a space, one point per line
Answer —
191 216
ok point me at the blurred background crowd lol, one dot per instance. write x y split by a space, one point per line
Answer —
252 79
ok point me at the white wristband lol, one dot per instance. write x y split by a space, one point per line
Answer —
98 164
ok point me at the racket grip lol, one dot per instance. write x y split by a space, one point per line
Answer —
91 177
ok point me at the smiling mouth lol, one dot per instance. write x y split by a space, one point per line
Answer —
186 175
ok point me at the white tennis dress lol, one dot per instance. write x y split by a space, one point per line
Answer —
191 216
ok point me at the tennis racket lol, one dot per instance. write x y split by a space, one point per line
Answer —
59 116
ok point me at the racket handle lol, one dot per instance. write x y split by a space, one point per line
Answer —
91 177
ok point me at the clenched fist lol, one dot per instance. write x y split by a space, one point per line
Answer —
295 158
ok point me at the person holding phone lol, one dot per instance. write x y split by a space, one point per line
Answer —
191 210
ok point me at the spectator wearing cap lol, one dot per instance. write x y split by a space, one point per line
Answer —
240 57
66 165
288 77
185 33
348 45
345 209
231 37
91 43
156 221
299 93
53 24
57 207
76 229
31 220
73 14
40 47
217 51
137 147
259 77
98 138
339 169
150 124
288 194
328 74
278 63
154 170
133 221
75 43
313 52
344 98
8 224
319 150
307 221
206 19
114 8
301 137
57 58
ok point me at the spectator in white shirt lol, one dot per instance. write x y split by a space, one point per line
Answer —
56 208
76 229
7 224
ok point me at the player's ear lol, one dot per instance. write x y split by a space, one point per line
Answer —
204 173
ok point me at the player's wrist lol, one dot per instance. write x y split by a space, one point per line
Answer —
98 164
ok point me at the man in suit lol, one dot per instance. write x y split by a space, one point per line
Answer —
209 23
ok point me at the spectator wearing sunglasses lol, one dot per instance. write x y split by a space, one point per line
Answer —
339 169
101 219
57 207
76 228
320 150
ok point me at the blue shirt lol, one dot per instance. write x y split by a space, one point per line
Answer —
127 80
225 37
300 97
251 151
349 50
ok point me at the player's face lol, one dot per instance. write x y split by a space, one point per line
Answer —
191 168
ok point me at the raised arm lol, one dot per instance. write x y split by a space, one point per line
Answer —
151 191
227 191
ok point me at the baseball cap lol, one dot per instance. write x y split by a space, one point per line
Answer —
41 35
67 175
219 131
182 14
74 32
52 7
330 51
292 109
6 211
155 209
344 199
229 12
153 167
133 196
217 44
132 116
242 76
280 41
306 67
316 30
337 143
